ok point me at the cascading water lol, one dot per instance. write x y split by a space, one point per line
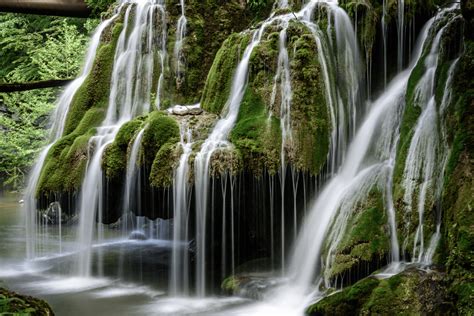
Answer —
58 119
178 45
343 103
361 157
130 95
181 197
132 177
283 76
427 153
401 33
354 173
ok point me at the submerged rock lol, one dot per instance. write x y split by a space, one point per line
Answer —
137 235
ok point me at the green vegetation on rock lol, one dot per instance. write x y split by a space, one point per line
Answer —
413 292
12 303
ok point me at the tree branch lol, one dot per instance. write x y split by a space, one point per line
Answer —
15 87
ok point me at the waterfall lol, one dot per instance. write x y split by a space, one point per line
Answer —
343 103
283 76
427 153
181 196
354 175
178 45
218 139
130 95
384 41
132 177
401 33
58 120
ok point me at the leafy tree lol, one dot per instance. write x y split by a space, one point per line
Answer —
33 48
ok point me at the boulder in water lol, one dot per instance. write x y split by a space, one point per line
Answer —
137 235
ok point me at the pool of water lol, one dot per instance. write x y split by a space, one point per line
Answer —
131 280
130 276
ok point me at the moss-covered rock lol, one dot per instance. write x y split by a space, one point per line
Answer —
161 129
413 292
209 24
166 160
365 241
347 302
457 242
67 159
408 219
12 303
257 135
219 80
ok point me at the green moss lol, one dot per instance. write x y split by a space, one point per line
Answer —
310 114
413 292
219 79
94 92
161 175
210 23
12 303
230 284
67 159
114 161
128 131
257 135
347 302
161 129
365 239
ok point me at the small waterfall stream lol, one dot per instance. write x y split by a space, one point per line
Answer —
181 199
132 183
178 45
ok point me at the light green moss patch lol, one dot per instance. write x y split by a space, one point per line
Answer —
219 80
166 160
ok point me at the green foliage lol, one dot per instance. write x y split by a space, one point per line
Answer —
33 48
114 161
257 5
127 131
99 6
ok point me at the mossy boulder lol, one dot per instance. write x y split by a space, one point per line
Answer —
413 292
219 80
12 303
365 241
166 160
161 129
257 133
210 23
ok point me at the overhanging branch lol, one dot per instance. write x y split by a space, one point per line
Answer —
16 87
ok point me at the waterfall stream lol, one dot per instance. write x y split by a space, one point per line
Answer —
129 97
